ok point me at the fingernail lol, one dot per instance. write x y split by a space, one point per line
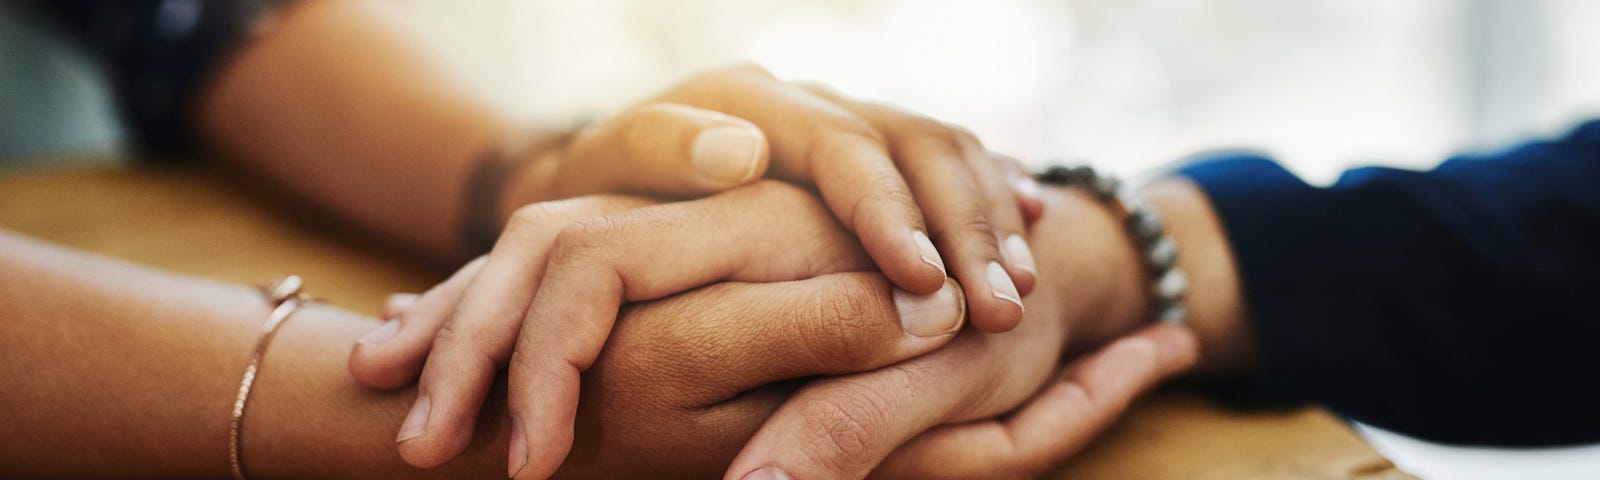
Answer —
1000 284
938 313
519 449
1018 253
398 304
1027 187
380 334
416 421
727 154
769 473
929 254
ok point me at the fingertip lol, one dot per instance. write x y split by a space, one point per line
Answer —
397 304
998 316
1177 347
1025 280
995 303
436 430
542 454
729 155
517 452
1019 263
419 439
909 261
420 453
1030 200
937 316
544 406
375 361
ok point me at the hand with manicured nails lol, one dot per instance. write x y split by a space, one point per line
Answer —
592 253
933 416
879 170
914 190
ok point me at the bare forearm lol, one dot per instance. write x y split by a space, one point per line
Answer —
348 105
109 370
116 371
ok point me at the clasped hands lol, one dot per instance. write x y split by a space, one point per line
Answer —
871 307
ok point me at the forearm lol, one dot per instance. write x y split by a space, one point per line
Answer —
116 371
348 105
111 370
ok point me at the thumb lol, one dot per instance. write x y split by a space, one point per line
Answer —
666 149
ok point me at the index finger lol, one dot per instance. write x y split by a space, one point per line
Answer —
734 337
818 142
646 254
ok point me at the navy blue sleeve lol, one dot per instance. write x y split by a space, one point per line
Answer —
157 55
1460 305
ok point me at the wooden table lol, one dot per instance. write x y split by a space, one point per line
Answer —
198 223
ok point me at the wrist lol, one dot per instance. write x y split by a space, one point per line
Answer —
504 176
309 419
1215 302
529 182
1088 263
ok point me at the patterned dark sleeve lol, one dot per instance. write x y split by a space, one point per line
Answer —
1460 305
158 55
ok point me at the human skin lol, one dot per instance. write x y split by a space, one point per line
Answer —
119 371
890 420
350 106
156 357
1097 294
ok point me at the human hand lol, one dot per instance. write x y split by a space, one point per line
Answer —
685 381
1092 288
1087 396
912 188
640 254
653 149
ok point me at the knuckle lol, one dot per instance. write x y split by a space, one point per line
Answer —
838 324
539 222
641 125
532 215
964 136
927 127
458 345
717 78
522 361
911 376
933 134
973 224
584 241
816 88
842 135
747 68
891 198
844 429
888 190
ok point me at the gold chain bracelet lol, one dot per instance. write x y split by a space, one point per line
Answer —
285 298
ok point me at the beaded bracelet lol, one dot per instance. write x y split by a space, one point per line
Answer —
1157 251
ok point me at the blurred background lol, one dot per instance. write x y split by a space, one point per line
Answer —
1129 84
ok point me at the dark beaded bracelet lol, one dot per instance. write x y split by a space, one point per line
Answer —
1157 251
